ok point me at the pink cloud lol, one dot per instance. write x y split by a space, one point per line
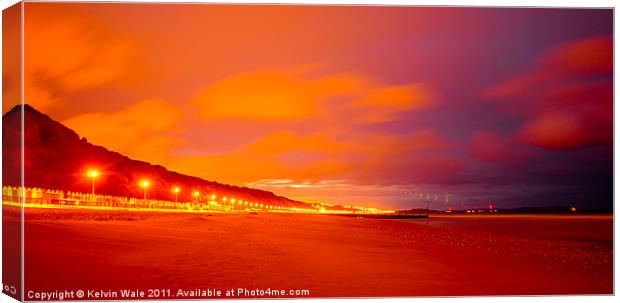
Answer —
563 99
584 57
566 130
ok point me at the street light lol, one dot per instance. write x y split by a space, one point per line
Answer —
176 191
213 196
93 174
145 184
196 194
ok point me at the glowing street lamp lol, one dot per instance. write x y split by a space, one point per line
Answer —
196 194
213 196
145 184
93 174
176 191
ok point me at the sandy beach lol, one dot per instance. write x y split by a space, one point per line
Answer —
328 255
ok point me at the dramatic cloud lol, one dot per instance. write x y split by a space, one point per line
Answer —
593 56
385 103
371 105
141 130
566 130
365 159
271 95
566 99
292 94
68 53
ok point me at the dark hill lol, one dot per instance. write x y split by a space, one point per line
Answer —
56 157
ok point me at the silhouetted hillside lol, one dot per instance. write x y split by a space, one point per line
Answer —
56 157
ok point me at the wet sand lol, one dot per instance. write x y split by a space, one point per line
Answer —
328 255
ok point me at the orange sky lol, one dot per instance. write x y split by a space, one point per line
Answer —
367 105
